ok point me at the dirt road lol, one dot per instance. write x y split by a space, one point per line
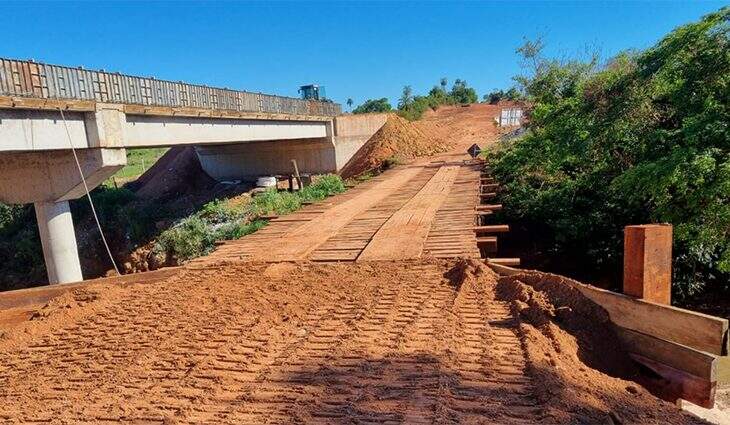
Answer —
386 342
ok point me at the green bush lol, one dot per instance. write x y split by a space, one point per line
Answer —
644 138
188 239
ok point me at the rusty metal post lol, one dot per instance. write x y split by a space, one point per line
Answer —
648 262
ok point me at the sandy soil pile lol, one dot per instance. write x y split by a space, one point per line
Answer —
398 139
407 342
575 355
176 173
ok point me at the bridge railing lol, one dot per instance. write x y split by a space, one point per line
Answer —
40 80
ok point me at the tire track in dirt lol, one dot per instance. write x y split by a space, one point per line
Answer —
371 342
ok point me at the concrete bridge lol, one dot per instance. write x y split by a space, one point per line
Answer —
237 134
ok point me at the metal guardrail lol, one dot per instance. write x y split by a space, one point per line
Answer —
40 80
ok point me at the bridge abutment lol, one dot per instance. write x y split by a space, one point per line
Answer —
56 229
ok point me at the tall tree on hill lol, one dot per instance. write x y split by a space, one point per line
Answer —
444 82
349 103
461 93
406 98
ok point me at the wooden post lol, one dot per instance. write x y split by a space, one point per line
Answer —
648 262
296 174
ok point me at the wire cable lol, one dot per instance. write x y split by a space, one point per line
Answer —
88 195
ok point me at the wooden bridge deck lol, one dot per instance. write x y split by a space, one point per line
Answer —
406 213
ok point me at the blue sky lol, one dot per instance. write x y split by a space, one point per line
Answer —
356 49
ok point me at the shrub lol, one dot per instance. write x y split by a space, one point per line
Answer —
186 240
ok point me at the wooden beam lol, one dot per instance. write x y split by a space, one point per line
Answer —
694 362
489 207
504 261
489 187
648 262
483 213
8 102
489 243
494 228
487 195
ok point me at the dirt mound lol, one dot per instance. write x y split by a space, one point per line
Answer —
176 173
458 127
398 140
574 353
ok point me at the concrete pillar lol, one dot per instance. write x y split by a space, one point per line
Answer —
648 262
56 229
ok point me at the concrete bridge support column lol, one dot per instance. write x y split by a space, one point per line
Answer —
56 229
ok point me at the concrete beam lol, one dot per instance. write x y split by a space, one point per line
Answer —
29 130
141 131
52 176
246 161
110 127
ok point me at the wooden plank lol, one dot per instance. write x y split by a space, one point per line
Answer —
687 359
406 232
678 384
42 294
696 330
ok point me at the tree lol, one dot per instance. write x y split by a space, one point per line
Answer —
444 82
461 93
349 102
495 96
373 105
406 99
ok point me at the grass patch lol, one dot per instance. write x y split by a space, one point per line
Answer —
138 161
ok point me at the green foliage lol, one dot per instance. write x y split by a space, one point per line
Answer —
644 138
412 107
495 96
461 93
20 248
373 105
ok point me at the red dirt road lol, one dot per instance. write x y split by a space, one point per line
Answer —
386 342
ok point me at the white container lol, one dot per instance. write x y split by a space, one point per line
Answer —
266 181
